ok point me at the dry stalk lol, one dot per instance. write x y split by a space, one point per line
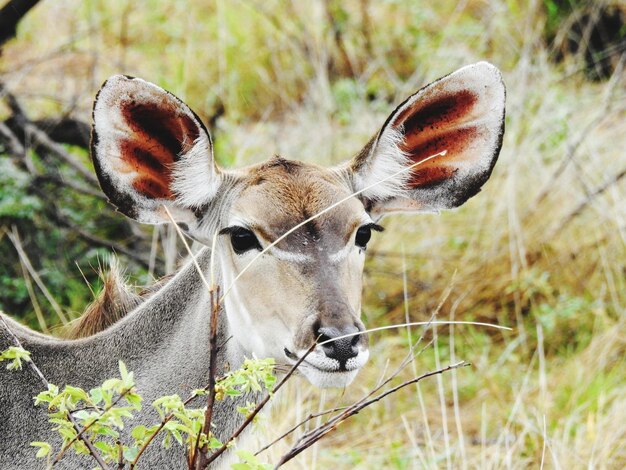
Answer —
311 437
15 239
199 455
260 406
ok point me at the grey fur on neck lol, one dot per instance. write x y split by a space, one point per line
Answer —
165 341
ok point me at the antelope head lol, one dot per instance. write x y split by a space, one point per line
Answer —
151 152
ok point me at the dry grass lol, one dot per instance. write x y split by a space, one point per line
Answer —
537 250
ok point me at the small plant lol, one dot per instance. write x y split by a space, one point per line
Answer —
15 355
102 413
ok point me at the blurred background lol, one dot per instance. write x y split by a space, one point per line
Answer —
542 249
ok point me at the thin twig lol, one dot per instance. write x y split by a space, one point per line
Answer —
301 423
120 455
260 406
315 435
15 239
86 428
162 424
199 455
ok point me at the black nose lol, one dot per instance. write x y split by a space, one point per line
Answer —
341 349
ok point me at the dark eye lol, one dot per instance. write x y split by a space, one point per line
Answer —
364 233
243 240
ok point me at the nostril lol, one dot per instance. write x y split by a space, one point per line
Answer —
321 338
355 340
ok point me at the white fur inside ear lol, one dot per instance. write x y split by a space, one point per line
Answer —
385 159
195 179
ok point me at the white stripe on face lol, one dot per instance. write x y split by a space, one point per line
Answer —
340 255
290 256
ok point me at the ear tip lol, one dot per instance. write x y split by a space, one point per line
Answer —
486 71
487 67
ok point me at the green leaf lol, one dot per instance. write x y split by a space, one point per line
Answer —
96 395
130 453
107 449
111 383
77 394
44 448
15 355
139 432
134 399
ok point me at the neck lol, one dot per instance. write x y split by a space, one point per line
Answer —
165 341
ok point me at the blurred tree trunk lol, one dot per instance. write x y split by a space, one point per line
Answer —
10 16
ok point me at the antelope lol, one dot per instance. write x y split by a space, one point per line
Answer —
154 160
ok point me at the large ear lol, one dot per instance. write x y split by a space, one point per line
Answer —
462 114
150 150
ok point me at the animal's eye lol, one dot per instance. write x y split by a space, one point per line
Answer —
243 240
364 233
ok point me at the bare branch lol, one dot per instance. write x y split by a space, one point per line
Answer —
86 428
199 455
42 139
30 129
583 204
301 423
311 437
260 406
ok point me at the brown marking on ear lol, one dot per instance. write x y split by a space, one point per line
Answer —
160 134
428 177
152 187
423 136
163 124
438 113
455 142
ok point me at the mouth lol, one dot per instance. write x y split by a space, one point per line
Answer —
324 372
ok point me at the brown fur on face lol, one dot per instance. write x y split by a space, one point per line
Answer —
280 193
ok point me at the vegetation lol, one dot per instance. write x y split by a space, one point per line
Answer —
542 249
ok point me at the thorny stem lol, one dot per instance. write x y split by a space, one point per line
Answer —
90 447
310 438
163 422
301 423
260 406
199 455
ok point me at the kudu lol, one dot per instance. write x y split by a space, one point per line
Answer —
152 152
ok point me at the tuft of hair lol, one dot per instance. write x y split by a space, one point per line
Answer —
113 302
